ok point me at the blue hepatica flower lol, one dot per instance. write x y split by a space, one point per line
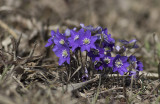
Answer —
119 49
108 46
120 64
107 41
75 38
129 44
63 52
98 65
107 61
136 64
60 39
96 54
67 32
50 40
139 66
132 73
87 41
85 76
90 28
107 37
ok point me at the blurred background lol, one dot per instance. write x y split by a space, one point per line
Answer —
125 19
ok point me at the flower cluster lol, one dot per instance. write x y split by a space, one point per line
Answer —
99 46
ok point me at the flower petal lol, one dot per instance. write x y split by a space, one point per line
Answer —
61 61
121 72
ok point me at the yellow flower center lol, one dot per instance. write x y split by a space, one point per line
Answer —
106 48
64 53
96 52
86 41
119 63
107 60
62 41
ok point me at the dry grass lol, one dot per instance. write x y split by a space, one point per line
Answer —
29 72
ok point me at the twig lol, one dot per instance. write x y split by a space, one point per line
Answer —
81 59
29 56
146 74
4 26
112 89
96 96
124 88
18 41
72 87
19 83
131 85
155 88
75 72
15 47
76 54
4 72
32 51
106 91
14 50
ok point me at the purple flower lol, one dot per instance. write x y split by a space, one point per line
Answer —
107 61
120 64
138 65
75 38
74 28
63 52
107 37
90 28
50 40
98 65
67 32
87 41
96 54
107 41
119 49
132 73
132 59
129 44
108 46
85 76
60 39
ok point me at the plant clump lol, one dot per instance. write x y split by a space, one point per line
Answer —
101 51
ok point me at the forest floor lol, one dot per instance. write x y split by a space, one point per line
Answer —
29 72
